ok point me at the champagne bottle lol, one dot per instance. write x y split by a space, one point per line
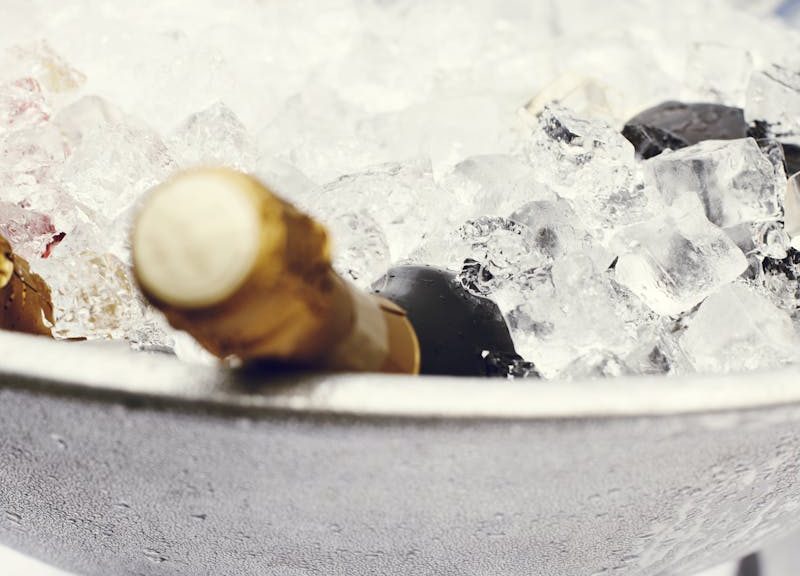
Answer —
673 125
250 276
677 125
25 301
460 334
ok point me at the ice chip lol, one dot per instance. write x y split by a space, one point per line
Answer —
773 96
213 136
738 329
675 261
734 180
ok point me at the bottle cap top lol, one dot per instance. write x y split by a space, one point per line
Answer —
197 238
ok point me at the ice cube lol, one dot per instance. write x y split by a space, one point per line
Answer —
113 166
595 364
448 131
718 73
657 350
320 135
22 104
559 313
738 329
84 115
361 253
29 232
493 185
770 239
735 181
290 183
213 136
401 197
555 226
495 249
780 277
28 155
593 166
94 295
773 96
676 260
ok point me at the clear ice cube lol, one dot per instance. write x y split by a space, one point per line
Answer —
29 155
401 197
738 329
773 96
675 261
84 115
22 104
113 165
592 165
493 185
494 249
558 314
30 233
555 226
214 136
595 364
771 240
320 135
736 182
94 295
361 253
448 131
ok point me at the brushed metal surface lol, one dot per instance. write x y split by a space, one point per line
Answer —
120 463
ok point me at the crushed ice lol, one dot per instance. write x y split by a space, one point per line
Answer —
478 136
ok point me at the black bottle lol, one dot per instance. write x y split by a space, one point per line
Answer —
677 125
673 125
460 334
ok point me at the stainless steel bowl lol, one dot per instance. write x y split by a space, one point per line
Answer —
121 463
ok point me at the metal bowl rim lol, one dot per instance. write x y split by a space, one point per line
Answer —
109 372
